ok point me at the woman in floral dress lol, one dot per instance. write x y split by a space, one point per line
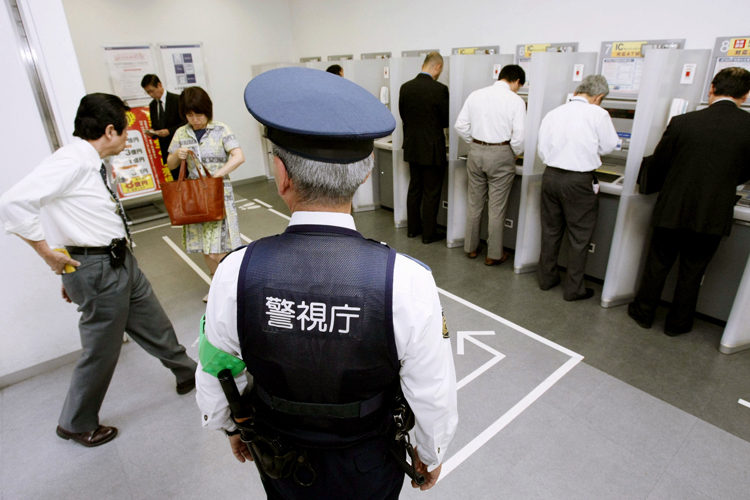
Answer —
217 148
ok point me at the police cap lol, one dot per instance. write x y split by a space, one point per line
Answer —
318 115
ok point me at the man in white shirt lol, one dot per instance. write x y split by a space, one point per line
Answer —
492 122
325 320
571 139
102 278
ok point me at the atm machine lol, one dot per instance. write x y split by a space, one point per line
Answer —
553 76
394 183
665 83
471 69
725 292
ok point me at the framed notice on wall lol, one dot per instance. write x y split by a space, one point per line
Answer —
127 65
183 66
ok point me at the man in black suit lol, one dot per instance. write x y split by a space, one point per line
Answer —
703 156
423 105
165 115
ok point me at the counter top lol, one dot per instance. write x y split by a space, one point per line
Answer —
385 143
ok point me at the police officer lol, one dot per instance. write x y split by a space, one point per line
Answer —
329 323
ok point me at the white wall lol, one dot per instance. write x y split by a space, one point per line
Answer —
38 327
236 34
327 27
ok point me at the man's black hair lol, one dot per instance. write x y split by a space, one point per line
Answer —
335 69
731 82
511 73
151 80
96 111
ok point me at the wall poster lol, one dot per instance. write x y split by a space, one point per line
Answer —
183 66
127 65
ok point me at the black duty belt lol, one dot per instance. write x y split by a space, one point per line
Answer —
491 143
357 409
88 250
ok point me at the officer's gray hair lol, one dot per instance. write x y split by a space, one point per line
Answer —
322 183
593 85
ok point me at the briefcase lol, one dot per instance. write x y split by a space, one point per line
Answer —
193 201
650 180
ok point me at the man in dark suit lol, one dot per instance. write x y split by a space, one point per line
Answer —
165 115
703 156
423 105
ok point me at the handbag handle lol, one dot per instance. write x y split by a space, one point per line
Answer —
183 171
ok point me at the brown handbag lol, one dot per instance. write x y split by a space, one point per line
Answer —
192 201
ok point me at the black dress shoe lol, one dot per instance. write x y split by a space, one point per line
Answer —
550 287
433 239
413 235
674 332
186 386
97 437
642 321
589 293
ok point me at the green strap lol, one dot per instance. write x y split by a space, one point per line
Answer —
214 359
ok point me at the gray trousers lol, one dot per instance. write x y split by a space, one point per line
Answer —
491 171
568 201
113 301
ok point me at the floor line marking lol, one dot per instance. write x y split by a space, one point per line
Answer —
150 228
504 321
279 214
245 238
262 203
240 200
453 462
744 403
187 259
476 373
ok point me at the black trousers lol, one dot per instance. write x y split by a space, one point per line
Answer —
423 199
568 201
695 251
362 472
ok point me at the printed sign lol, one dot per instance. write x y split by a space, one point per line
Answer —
183 65
627 49
739 47
138 170
127 66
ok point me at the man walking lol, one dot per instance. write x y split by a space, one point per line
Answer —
112 294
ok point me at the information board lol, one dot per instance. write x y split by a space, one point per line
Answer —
486 50
523 56
729 51
138 170
183 66
621 63
127 65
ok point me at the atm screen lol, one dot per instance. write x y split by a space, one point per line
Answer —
627 114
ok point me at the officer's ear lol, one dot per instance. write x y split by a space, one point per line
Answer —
283 182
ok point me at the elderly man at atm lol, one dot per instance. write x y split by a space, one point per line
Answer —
572 138
703 156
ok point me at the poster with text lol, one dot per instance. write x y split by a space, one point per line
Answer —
183 66
127 66
138 170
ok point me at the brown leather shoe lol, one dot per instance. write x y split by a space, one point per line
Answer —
473 255
97 437
492 262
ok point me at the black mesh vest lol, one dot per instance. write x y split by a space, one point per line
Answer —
314 317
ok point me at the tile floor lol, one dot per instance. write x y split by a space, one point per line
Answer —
642 416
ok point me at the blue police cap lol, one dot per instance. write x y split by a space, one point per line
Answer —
318 115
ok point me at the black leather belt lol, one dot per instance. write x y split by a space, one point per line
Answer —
491 143
88 250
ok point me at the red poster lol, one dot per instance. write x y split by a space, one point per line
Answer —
139 170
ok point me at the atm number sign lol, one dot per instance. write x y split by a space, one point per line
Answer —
738 47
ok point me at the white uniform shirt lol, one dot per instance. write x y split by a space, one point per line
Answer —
493 114
574 135
78 209
428 377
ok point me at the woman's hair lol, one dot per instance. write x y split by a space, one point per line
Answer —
196 100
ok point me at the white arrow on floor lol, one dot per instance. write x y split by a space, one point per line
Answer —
497 356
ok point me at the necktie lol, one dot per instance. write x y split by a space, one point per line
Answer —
120 210
160 118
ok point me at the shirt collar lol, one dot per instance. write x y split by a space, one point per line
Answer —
502 84
724 99
323 219
88 151
578 98
164 98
